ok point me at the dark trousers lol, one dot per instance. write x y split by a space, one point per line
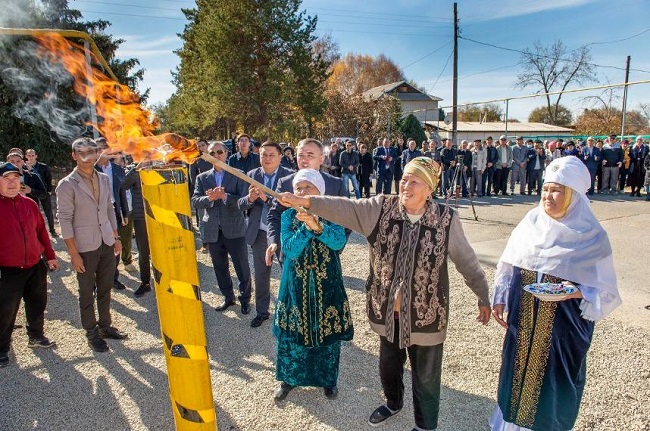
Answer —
238 251
623 178
126 237
142 242
47 209
364 184
535 180
384 182
592 174
100 268
262 275
501 180
426 368
488 176
30 285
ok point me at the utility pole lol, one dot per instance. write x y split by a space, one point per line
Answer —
454 92
627 77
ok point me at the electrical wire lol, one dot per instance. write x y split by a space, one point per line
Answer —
432 52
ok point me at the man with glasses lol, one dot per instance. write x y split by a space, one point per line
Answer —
45 173
89 229
349 162
218 192
257 204
199 166
244 159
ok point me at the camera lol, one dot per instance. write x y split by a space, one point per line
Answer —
459 158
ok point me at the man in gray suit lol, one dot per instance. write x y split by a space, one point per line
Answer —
257 204
89 229
519 166
217 192
309 155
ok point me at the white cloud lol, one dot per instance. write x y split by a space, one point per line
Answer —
487 10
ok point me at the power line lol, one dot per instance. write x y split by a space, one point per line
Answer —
619 40
442 71
546 56
432 52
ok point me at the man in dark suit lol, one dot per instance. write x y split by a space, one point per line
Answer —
448 158
116 177
218 193
245 160
309 155
45 173
592 158
257 204
385 157
535 167
488 174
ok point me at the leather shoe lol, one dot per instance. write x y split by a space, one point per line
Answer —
245 308
331 392
282 392
224 305
380 414
97 343
257 321
118 285
112 333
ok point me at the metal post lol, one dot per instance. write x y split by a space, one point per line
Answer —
454 121
89 72
627 77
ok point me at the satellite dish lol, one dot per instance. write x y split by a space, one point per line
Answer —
448 119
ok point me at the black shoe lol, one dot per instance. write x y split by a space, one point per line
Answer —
522 193
112 333
245 308
282 392
4 359
257 321
144 288
380 414
529 192
224 305
331 393
40 342
118 285
97 343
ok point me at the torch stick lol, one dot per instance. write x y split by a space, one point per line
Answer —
239 174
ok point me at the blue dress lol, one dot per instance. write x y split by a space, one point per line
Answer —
544 365
312 315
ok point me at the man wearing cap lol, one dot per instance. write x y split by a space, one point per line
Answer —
25 256
535 168
519 163
89 229
244 159
45 174
591 157
502 167
612 161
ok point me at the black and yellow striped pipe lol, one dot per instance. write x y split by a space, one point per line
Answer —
173 255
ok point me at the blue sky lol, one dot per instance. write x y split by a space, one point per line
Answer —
418 34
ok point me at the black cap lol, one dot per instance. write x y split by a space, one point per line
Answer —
530 141
7 167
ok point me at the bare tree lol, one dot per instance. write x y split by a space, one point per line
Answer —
553 69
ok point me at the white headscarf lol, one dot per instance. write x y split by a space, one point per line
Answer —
576 247
312 176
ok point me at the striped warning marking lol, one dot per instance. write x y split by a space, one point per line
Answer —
167 217
167 176
186 351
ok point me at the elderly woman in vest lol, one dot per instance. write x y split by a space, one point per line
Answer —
543 366
410 238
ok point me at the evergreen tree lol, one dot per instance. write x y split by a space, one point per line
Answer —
412 129
251 61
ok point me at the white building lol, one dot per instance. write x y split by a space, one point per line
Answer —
471 130
412 100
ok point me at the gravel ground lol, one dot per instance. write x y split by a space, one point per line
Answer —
72 388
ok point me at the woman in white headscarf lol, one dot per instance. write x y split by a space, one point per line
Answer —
543 366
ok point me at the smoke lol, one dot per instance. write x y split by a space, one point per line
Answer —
42 90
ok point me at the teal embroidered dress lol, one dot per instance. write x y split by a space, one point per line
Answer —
312 315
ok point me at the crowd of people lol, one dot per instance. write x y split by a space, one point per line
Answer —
410 236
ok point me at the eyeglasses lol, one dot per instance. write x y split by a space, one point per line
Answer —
220 152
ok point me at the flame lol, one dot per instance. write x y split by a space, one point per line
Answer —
126 125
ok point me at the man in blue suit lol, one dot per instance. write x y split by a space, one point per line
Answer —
116 176
257 204
592 158
385 157
218 193
309 155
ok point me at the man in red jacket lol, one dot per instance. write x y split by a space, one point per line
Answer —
23 272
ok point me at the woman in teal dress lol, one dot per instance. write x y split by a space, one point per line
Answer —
312 314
